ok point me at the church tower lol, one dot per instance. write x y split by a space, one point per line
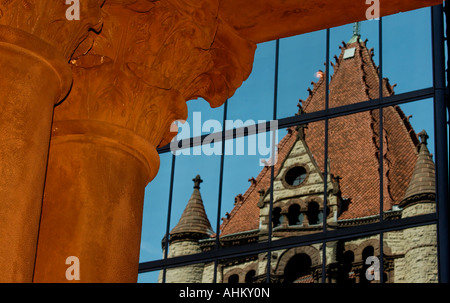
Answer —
421 244
184 238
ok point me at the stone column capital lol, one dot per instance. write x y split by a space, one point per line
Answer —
108 135
150 58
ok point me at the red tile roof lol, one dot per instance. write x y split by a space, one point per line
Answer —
245 214
353 144
305 279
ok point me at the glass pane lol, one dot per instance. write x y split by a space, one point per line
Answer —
354 74
300 65
410 255
298 195
354 260
254 99
409 171
302 264
407 52
245 269
354 168
195 194
246 177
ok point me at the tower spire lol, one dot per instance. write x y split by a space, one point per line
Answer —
422 181
194 219
356 33
357 29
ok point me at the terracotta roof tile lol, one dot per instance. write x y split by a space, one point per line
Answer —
194 219
353 144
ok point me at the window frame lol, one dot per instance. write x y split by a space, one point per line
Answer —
438 92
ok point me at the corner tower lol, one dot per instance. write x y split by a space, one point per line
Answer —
184 238
420 244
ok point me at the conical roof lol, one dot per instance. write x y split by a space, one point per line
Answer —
423 178
194 218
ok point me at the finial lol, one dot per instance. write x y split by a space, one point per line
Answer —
356 33
301 128
301 131
197 180
357 29
239 198
423 137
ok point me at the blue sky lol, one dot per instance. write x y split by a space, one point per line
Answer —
406 62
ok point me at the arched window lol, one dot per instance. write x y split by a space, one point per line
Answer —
277 218
367 252
294 215
233 279
249 276
298 267
313 213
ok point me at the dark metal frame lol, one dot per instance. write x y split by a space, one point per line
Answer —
439 92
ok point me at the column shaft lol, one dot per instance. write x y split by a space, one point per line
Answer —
33 78
93 203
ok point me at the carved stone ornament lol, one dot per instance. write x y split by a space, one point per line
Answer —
150 58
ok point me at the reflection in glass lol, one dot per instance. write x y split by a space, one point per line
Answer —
356 260
297 265
408 160
412 254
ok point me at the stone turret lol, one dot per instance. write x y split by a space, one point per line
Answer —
420 244
184 238
420 194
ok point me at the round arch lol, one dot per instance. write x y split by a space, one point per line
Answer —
312 252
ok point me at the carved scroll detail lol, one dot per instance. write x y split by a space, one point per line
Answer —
150 58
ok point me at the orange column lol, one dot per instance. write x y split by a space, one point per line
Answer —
147 62
33 77
36 44
93 202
